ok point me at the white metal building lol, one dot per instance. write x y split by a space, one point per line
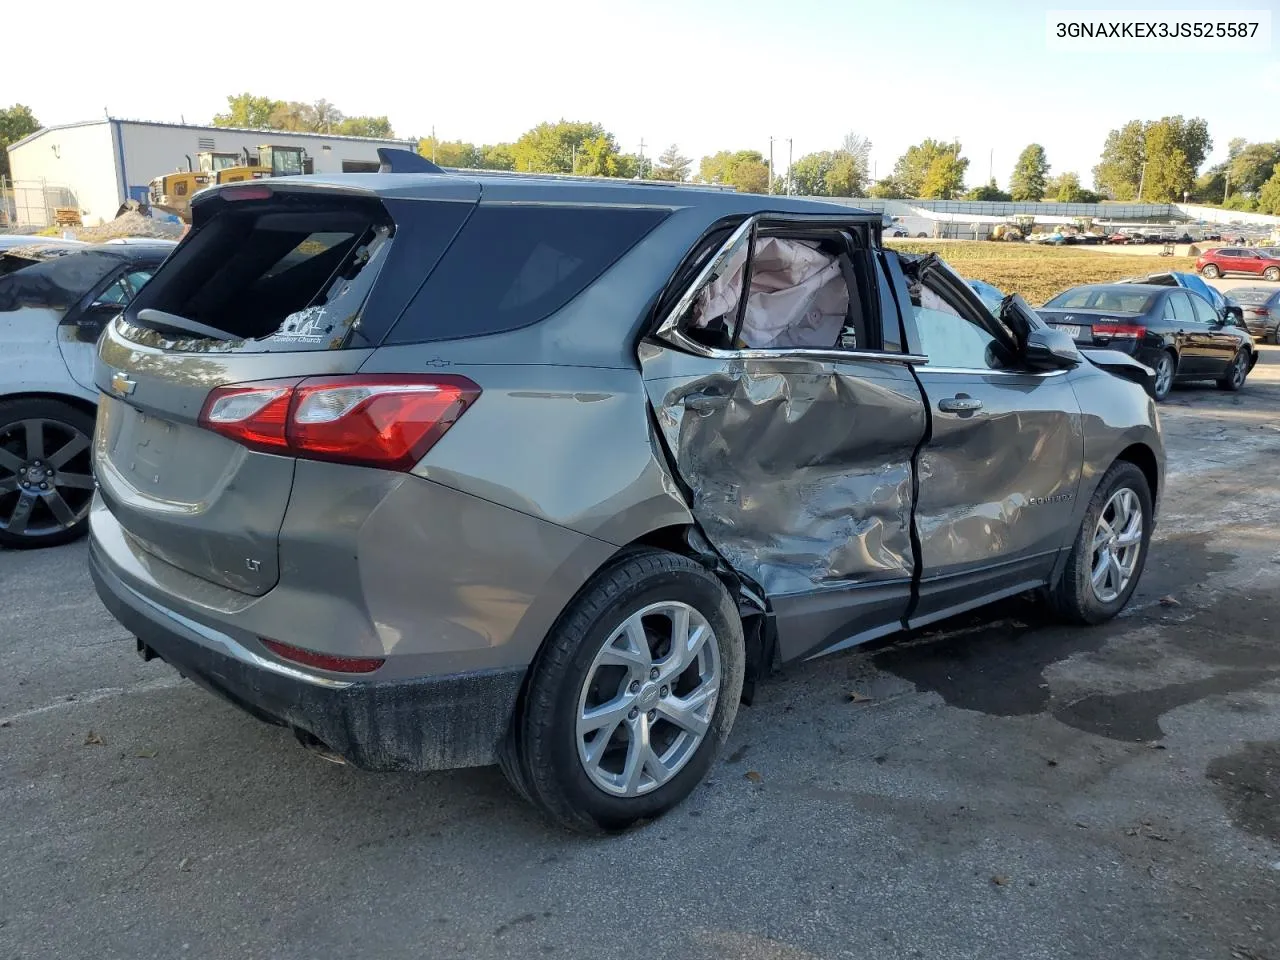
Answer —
105 162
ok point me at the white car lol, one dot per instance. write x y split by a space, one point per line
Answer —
54 302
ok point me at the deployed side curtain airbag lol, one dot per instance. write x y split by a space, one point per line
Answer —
798 296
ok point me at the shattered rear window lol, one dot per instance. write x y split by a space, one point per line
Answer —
56 284
272 278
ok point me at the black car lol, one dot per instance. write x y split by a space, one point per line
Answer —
1174 331
1261 308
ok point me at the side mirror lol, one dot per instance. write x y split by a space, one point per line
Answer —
1049 349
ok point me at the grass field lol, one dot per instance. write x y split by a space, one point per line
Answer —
1038 272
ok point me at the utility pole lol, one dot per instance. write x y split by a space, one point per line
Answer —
991 164
433 143
640 175
789 156
771 164
573 158
1226 188
1142 179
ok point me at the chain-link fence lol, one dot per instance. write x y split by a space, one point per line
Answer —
26 204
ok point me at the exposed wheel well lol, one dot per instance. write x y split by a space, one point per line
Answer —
78 402
1140 456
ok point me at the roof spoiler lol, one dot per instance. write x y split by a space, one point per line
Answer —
391 160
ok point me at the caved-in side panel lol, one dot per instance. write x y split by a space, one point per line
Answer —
798 470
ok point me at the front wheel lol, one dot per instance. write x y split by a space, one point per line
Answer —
1235 376
1165 368
631 697
1110 550
1211 271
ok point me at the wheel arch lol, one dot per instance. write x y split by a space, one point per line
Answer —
71 399
1144 458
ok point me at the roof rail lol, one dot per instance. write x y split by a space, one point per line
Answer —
391 160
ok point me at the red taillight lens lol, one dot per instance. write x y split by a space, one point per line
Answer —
1119 331
253 414
1262 311
386 421
323 661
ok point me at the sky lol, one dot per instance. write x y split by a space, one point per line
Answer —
704 74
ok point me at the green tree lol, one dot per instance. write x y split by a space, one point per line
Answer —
1169 170
247 110
554 148
672 166
888 189
497 156
16 122
1269 193
1029 174
379 127
1242 202
1210 186
451 153
1251 167
744 169
989 191
914 167
809 173
1139 143
292 116
1064 188
944 179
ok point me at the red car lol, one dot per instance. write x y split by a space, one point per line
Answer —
1215 263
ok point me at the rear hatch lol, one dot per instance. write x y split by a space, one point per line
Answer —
274 282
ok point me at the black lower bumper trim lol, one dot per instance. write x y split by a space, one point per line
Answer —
433 723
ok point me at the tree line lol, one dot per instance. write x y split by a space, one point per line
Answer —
1153 161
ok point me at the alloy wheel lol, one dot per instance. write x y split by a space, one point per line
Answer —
1238 370
1117 544
1164 375
648 699
46 480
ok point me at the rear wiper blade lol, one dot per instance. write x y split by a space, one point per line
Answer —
160 321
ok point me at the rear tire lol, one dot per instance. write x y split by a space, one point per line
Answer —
46 474
1211 271
1271 273
1236 374
1079 597
639 764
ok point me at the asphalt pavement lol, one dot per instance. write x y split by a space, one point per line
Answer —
1003 786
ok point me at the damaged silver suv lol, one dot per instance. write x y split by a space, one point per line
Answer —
438 471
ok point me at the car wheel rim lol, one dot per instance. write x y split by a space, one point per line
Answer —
46 481
1117 543
648 699
1164 376
1237 371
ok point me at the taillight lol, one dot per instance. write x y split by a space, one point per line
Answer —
1261 311
380 420
1119 331
323 661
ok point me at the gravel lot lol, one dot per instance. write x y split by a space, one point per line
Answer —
1003 787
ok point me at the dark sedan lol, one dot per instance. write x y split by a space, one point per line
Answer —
1261 308
1174 331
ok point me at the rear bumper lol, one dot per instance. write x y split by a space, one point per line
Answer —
432 723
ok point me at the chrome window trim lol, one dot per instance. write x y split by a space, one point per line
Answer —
669 329
986 372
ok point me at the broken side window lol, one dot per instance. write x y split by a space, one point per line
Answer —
803 290
951 334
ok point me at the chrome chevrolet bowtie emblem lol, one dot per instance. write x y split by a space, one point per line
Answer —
122 385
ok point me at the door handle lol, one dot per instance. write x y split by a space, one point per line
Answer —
960 404
705 402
